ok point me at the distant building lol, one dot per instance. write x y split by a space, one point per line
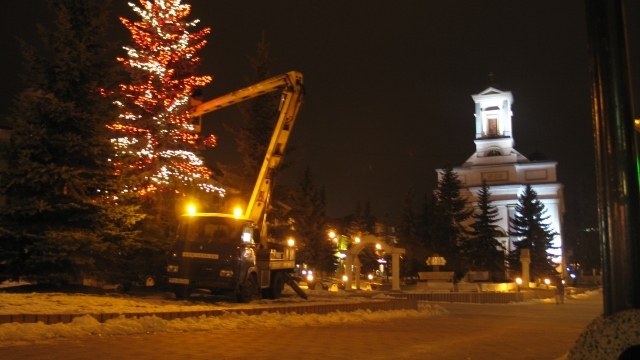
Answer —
506 171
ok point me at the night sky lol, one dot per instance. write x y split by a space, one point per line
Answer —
389 84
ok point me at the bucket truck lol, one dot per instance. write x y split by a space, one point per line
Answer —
227 253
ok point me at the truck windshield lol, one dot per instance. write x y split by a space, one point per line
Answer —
217 230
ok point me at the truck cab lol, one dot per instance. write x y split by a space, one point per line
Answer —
215 252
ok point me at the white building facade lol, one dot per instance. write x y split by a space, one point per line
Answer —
506 171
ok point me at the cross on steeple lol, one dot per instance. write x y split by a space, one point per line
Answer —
492 80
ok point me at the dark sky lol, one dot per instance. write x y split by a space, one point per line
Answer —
389 84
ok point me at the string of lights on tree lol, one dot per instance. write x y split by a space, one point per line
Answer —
154 132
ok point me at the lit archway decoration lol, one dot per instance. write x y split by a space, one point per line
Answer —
351 254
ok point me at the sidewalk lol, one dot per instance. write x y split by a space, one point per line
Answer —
535 330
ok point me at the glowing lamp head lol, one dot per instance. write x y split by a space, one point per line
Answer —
237 212
357 239
191 209
345 278
332 234
370 277
378 246
291 242
547 281
519 281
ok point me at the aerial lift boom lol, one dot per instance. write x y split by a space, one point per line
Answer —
292 94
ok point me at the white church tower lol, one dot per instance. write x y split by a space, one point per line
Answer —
506 171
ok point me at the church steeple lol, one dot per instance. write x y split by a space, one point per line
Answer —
494 137
493 113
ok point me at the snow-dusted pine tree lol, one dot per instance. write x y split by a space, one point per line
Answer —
60 223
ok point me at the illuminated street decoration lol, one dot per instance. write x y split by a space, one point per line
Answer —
154 135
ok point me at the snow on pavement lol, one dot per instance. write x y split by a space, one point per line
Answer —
58 303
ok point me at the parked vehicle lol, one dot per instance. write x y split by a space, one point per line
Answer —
230 253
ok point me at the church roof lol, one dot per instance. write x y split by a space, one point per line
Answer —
537 156
491 90
492 93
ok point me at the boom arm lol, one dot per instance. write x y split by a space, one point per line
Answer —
292 95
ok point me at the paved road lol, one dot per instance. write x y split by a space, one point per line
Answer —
469 331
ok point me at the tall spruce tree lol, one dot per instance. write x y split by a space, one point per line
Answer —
253 134
308 214
425 220
408 238
62 221
529 226
359 227
356 226
450 211
482 250
368 218
154 135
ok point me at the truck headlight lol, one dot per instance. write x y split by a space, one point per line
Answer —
226 273
172 268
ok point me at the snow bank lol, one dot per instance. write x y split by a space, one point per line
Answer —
14 333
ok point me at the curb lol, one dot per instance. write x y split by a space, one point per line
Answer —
478 298
322 309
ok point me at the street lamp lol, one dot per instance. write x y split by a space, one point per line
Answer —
519 282
547 281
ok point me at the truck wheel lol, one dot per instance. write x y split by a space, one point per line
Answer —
248 290
182 292
277 283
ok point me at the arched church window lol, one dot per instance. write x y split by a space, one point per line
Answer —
499 232
494 152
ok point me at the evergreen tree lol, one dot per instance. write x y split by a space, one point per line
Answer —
252 136
254 133
408 238
425 223
482 249
62 220
368 218
358 227
308 215
450 211
156 146
530 228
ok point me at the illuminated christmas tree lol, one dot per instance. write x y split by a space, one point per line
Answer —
156 147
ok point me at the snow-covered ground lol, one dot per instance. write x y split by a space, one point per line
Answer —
59 303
